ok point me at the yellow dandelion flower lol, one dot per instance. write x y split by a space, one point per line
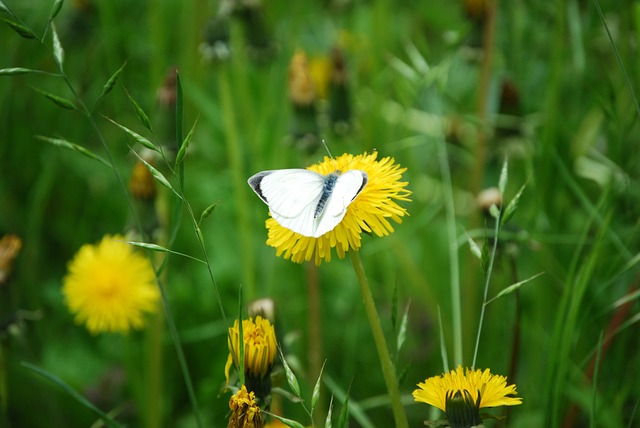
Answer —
109 286
259 347
371 211
481 387
245 413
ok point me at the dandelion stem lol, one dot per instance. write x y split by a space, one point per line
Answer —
388 369
315 333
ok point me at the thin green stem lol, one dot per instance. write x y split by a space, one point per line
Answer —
454 264
496 231
388 369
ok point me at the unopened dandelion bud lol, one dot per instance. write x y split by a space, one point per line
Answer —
302 94
264 308
488 197
142 184
256 32
339 102
302 90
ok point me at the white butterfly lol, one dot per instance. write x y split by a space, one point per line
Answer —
306 202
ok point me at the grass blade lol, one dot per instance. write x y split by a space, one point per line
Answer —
112 80
59 101
291 378
161 249
58 51
69 145
139 138
14 71
74 394
157 175
513 287
142 116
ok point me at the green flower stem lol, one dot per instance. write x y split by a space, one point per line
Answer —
388 369
315 333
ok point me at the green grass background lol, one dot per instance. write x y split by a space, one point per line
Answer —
572 137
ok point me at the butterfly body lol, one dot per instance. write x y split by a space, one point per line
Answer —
306 202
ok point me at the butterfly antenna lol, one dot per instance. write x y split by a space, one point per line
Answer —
324 143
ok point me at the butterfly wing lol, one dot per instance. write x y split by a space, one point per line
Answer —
347 187
292 195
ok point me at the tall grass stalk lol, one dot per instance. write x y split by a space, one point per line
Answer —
235 153
452 241
496 232
388 369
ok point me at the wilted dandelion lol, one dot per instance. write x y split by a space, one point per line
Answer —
371 211
462 393
245 413
109 286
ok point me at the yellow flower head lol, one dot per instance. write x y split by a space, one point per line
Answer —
109 286
370 211
491 390
245 413
259 347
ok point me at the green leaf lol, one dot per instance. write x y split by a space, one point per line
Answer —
494 211
74 394
327 422
207 211
157 175
185 144
402 331
3 8
155 247
112 80
14 71
139 138
291 378
59 101
142 116
394 307
344 414
510 289
288 422
20 29
315 395
56 9
66 144
58 52
474 247
502 181
511 208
